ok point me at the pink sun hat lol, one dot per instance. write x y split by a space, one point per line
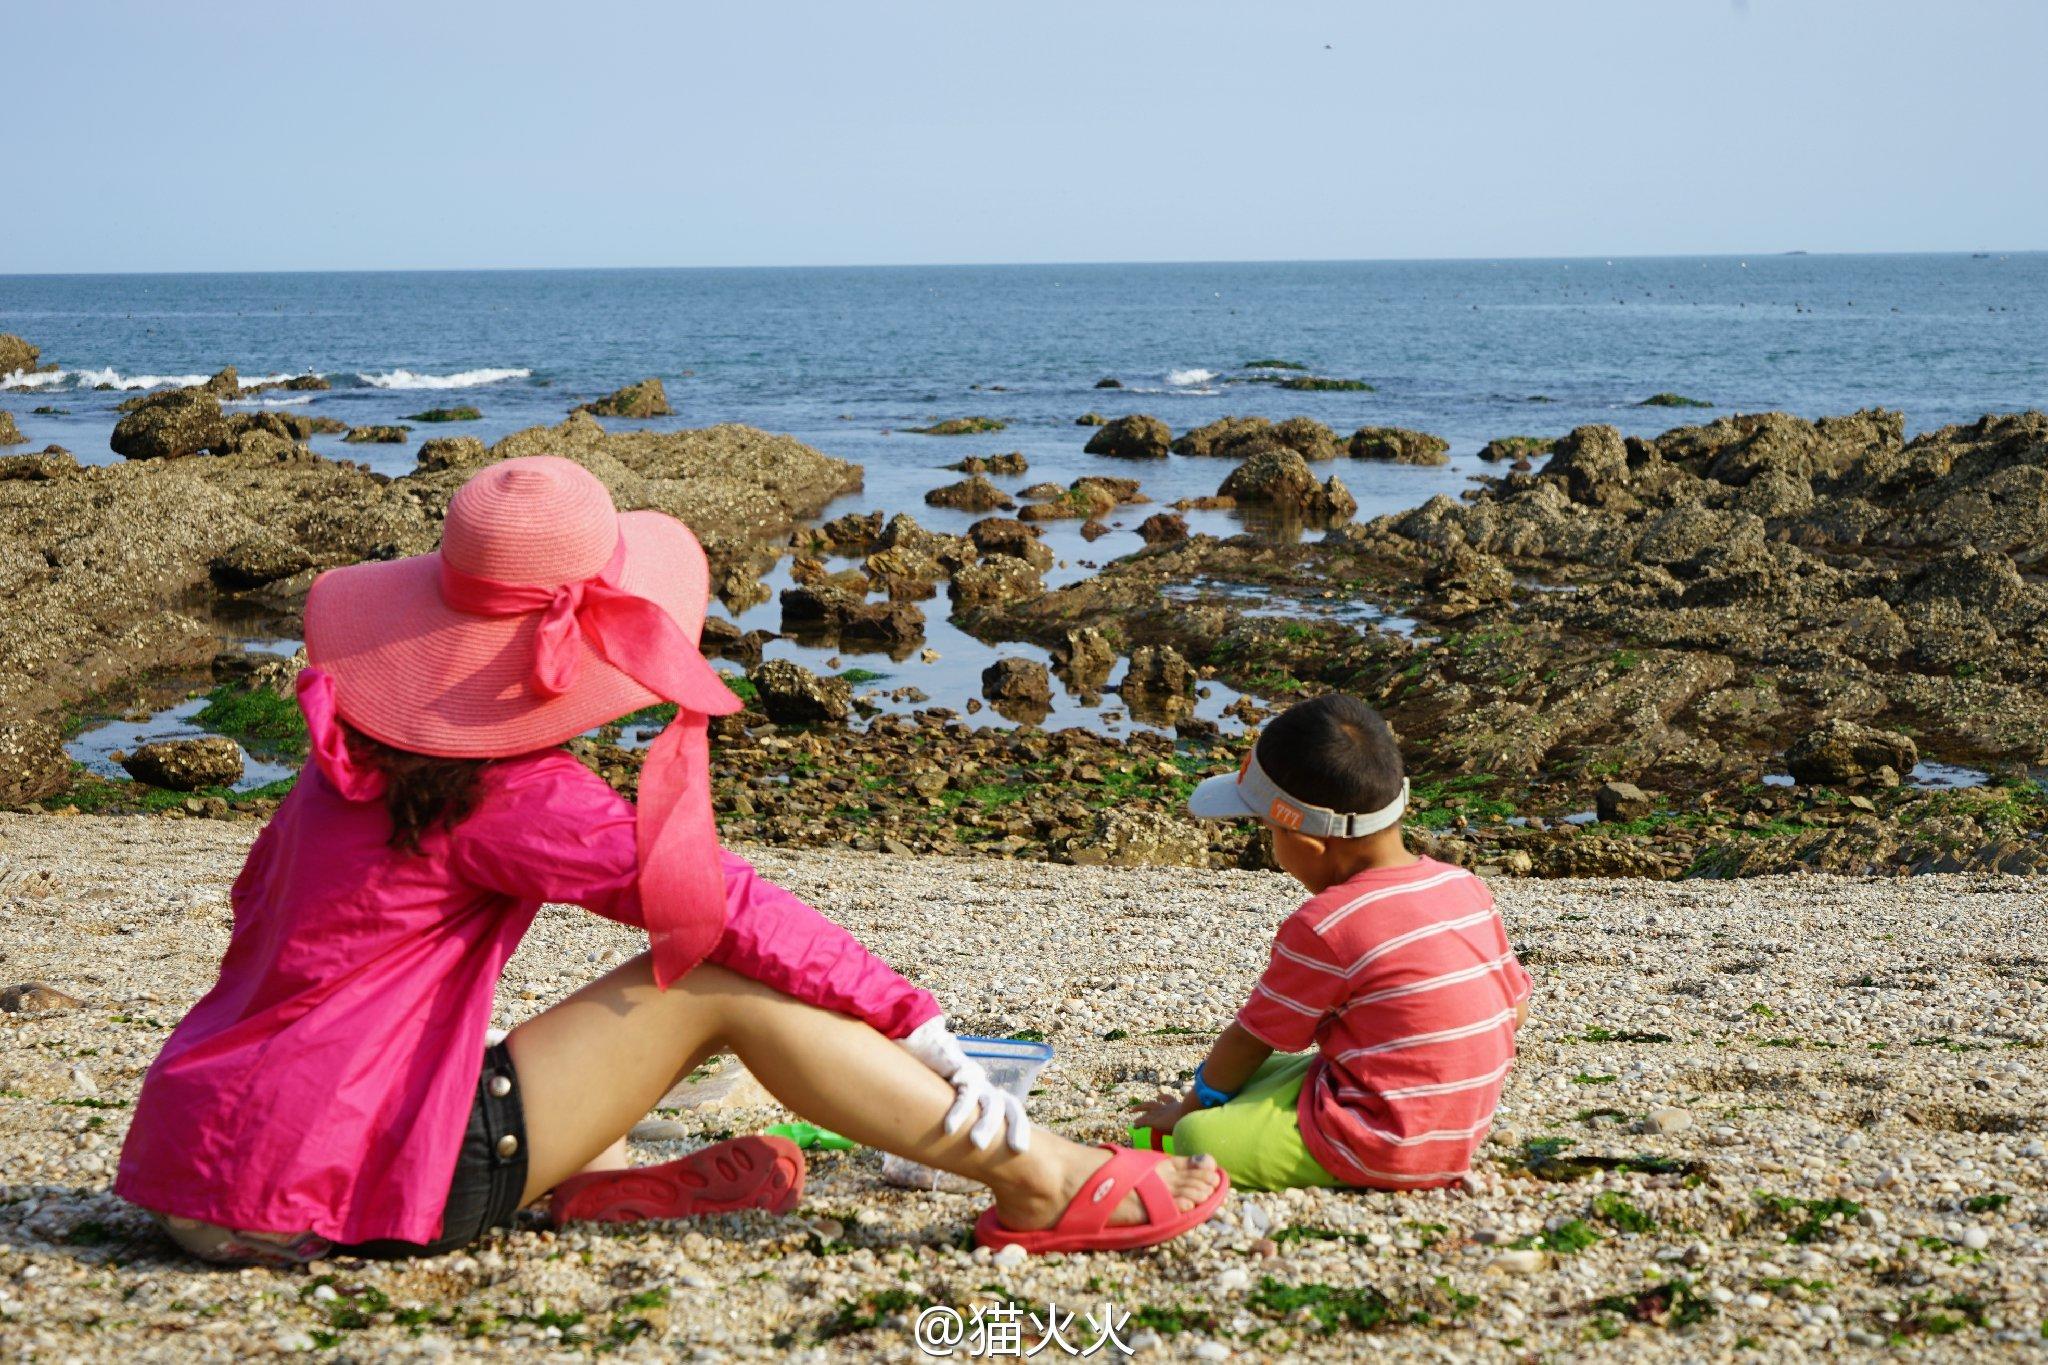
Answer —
546 612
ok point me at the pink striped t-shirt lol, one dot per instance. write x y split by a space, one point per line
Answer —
1403 981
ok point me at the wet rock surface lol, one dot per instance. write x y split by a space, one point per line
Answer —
1398 445
642 400
1674 613
1279 478
170 424
110 573
1137 437
186 765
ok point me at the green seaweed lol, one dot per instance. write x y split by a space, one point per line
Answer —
1359 1308
261 719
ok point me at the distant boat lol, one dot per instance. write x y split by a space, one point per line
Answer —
1980 255
1797 253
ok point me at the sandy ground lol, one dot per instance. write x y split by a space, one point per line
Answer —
1848 1076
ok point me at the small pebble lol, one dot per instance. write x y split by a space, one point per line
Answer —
1976 1239
1011 1256
1522 1261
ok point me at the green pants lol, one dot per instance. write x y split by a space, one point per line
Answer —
1256 1137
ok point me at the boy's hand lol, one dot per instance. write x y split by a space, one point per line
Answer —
1162 1117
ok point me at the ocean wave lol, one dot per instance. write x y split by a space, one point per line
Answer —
97 379
292 402
467 379
1181 379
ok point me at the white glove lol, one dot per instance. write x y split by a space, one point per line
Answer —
976 1098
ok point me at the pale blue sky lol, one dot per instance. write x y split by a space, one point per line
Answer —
364 134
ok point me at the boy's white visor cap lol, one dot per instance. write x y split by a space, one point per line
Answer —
1249 794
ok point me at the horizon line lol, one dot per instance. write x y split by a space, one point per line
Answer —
1768 254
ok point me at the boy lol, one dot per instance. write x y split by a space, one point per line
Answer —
1397 972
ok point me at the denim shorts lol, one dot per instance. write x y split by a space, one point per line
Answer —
490 1172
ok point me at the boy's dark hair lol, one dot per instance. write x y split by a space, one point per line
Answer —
1333 751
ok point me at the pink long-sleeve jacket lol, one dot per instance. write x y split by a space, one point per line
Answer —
324 1083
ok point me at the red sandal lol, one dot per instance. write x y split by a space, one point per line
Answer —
1084 1223
743 1173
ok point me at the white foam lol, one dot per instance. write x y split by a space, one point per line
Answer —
467 379
1181 379
98 379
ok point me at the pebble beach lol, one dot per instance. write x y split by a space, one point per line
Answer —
1770 1119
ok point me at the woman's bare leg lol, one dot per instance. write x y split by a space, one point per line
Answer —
592 1066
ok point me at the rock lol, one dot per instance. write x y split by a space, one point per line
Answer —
33 763
904 574
1008 536
460 413
1123 837
1137 437
974 494
1515 449
1109 383
1399 445
262 558
256 670
1019 684
790 694
10 434
1306 437
377 435
1592 462
1085 656
1011 462
185 765
1162 528
1091 419
1666 1120
642 400
822 609
999 578
1843 752
298 383
1158 672
1620 802
51 462
17 356
1320 384
451 452
1231 438
853 531
168 425
1672 400
1279 478
35 997
224 384
960 426
951 553
1522 1261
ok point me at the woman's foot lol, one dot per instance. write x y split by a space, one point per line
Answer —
1038 1198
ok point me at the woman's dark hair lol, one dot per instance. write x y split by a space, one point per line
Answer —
420 791
1333 751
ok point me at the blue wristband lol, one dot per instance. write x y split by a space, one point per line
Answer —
1208 1095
